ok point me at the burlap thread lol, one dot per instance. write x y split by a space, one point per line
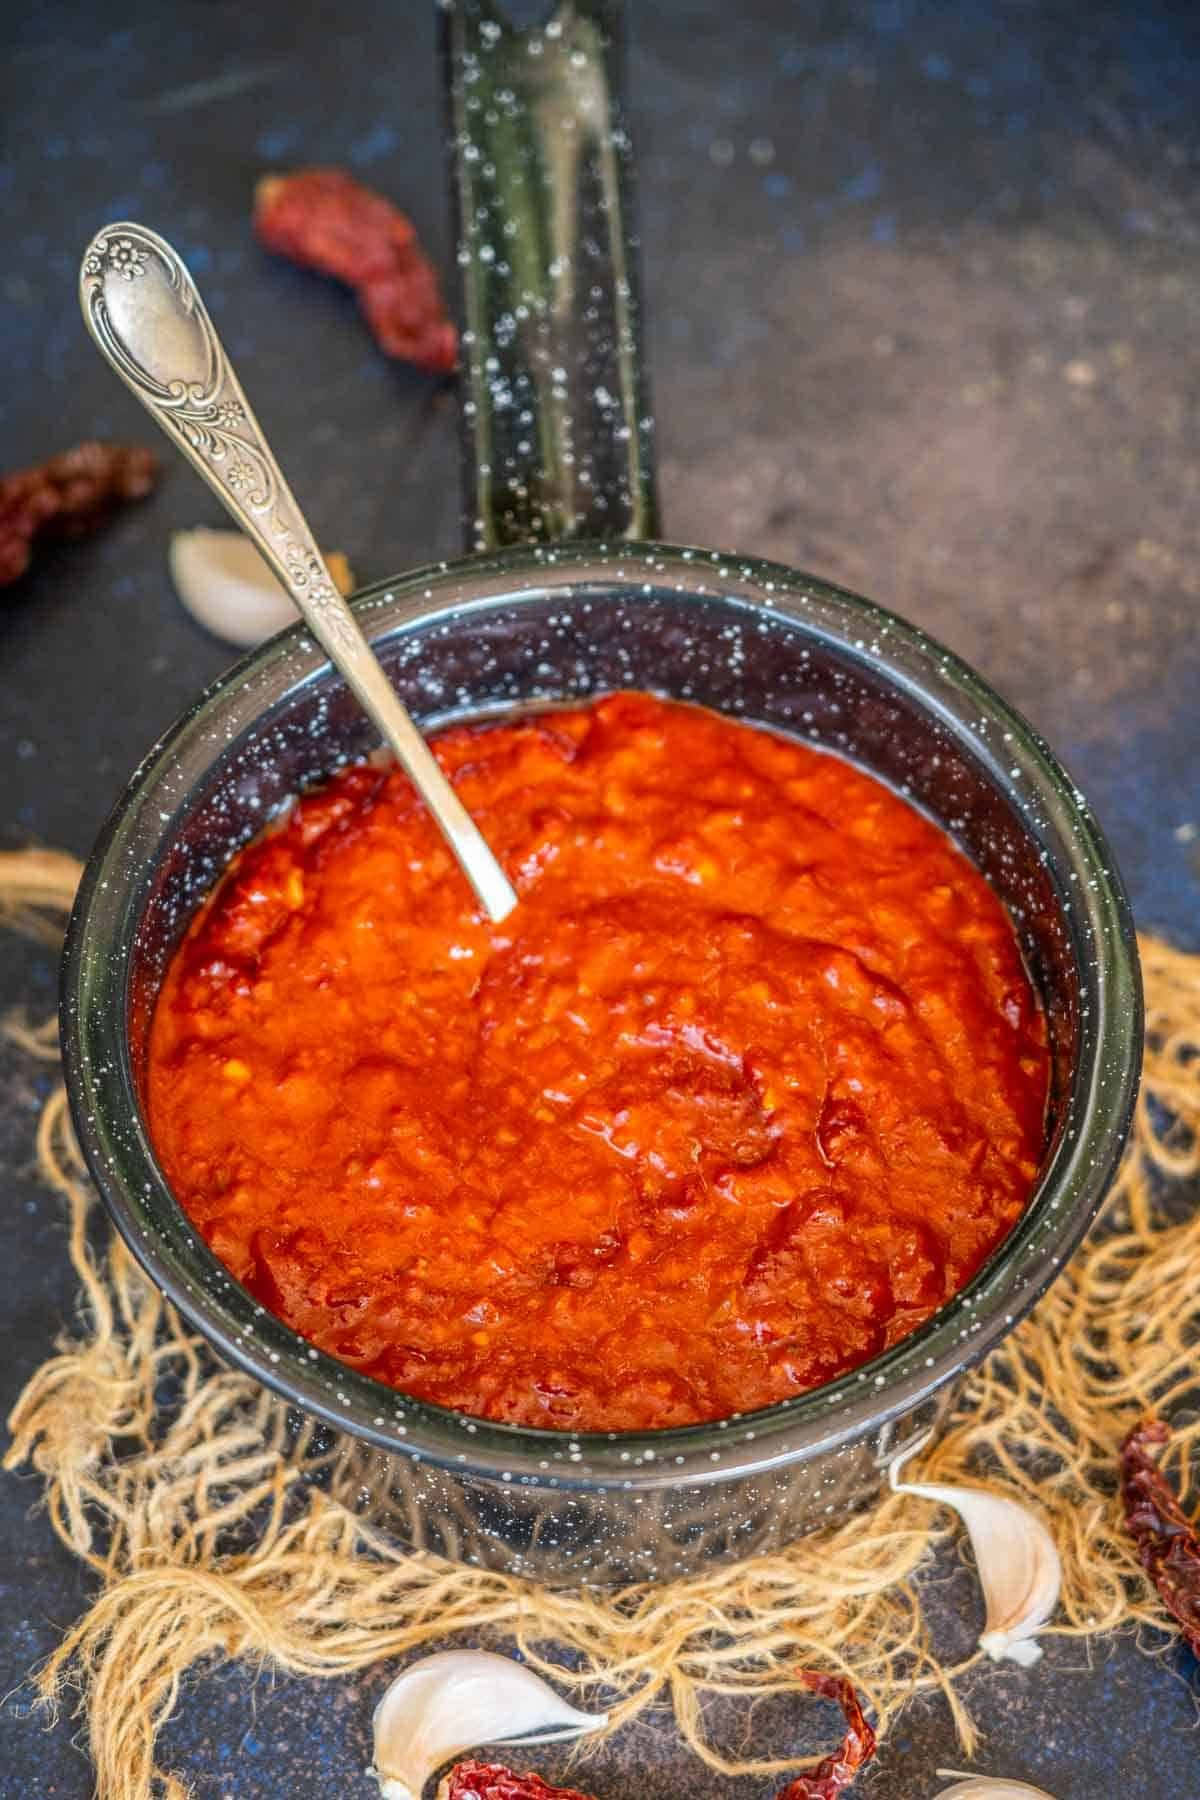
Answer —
205 1542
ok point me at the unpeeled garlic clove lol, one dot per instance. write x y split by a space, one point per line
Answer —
1019 1567
225 583
455 1701
988 1787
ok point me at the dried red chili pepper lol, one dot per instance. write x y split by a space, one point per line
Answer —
491 1781
68 496
1168 1546
831 1777
837 1771
324 219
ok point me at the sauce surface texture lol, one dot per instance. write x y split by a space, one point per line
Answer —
749 1084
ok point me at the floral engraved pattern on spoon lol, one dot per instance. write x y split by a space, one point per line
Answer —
240 476
125 258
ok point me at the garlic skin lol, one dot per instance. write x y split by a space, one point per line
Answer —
988 1787
456 1700
1020 1570
226 585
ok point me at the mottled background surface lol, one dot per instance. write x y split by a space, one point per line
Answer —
923 286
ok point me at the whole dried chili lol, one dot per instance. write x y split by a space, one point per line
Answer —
837 1771
324 219
831 1777
1168 1545
68 496
491 1781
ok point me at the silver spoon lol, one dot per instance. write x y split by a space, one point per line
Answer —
143 309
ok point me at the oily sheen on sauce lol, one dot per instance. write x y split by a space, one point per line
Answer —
750 1083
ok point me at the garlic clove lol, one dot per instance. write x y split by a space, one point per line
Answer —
988 1787
456 1700
225 583
1019 1567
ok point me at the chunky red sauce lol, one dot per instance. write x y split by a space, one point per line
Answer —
749 1084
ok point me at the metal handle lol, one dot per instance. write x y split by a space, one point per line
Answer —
144 311
556 423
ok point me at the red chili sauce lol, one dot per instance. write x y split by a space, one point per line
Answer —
751 1081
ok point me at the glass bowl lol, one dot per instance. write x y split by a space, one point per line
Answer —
537 626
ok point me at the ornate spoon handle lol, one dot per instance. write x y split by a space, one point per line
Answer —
142 308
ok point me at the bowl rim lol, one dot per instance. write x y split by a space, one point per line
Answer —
107 1116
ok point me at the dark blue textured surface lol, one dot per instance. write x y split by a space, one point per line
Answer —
924 293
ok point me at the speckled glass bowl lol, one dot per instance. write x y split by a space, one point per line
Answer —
557 444
756 641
